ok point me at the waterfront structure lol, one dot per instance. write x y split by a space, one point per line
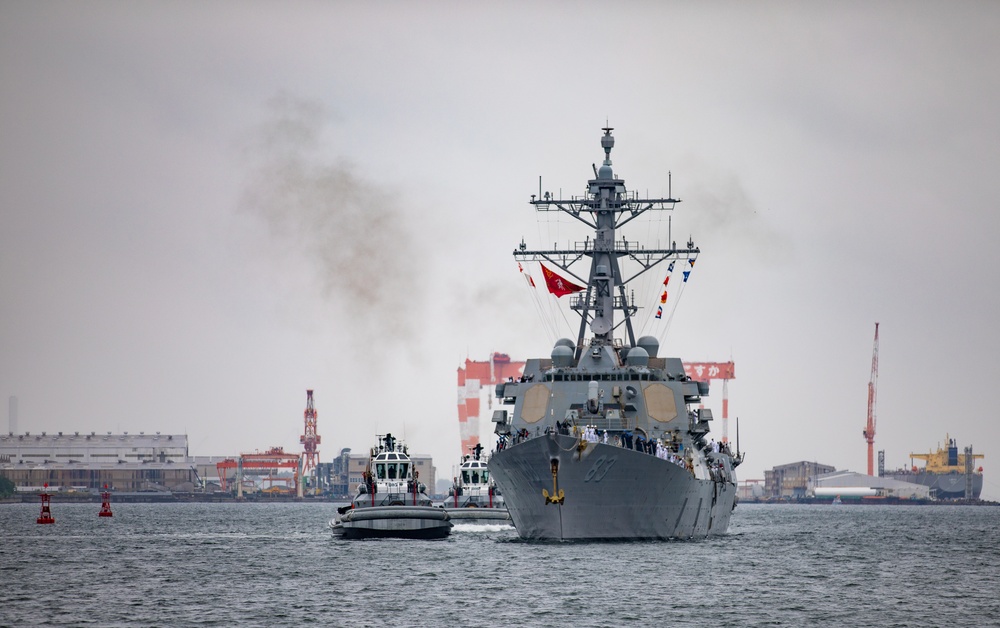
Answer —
88 461
792 480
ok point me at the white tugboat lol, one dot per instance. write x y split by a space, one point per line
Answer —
473 496
390 501
612 429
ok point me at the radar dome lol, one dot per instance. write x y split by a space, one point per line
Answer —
650 344
565 342
562 356
637 356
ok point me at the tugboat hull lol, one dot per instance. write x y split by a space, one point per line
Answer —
405 522
479 515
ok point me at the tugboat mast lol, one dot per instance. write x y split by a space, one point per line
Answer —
606 207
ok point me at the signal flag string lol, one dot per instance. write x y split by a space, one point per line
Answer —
680 292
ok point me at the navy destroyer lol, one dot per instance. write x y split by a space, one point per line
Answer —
605 439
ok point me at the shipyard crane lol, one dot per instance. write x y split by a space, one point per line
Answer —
310 439
869 430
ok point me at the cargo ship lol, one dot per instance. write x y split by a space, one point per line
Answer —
948 473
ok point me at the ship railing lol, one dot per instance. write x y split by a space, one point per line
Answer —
614 425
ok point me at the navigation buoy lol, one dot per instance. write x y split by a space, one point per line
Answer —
105 504
46 515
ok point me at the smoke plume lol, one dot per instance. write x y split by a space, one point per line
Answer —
354 235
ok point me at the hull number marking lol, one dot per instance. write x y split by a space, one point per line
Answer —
601 467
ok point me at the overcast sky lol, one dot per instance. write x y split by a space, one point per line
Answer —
208 208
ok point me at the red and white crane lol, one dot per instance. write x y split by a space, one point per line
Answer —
310 440
869 430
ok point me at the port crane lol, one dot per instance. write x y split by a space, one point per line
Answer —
310 439
869 430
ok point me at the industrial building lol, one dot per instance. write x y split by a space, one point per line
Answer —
153 462
124 462
792 480
809 480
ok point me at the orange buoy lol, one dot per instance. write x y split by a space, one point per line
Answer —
46 515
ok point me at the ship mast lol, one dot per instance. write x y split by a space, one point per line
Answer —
607 207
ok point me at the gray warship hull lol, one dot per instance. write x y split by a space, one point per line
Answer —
609 493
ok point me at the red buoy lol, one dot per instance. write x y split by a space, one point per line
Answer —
105 504
46 515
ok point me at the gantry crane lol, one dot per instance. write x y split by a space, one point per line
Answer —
869 430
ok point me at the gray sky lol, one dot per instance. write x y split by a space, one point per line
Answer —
207 208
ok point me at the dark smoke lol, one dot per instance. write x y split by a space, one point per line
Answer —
355 236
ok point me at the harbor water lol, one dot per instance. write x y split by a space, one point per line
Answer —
276 564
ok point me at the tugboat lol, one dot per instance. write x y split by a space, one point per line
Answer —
612 429
473 496
390 501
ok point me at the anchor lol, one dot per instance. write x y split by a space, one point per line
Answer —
557 493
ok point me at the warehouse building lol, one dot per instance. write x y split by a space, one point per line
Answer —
123 462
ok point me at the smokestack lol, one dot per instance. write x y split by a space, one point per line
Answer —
12 414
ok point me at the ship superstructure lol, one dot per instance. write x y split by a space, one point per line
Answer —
605 439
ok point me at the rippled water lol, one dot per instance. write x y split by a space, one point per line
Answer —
277 565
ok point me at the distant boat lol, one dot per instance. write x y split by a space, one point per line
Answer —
836 500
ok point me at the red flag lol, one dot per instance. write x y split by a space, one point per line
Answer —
557 285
